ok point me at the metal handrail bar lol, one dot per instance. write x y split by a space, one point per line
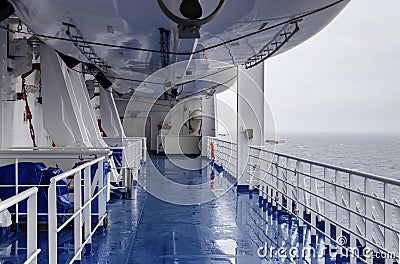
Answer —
332 202
87 240
33 257
79 210
227 161
17 198
231 149
333 167
223 140
344 187
55 148
75 170
25 185
82 213
31 196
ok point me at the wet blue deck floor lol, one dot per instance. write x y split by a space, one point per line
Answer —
229 229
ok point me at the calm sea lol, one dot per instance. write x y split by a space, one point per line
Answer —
374 153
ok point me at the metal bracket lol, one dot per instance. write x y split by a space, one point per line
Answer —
190 28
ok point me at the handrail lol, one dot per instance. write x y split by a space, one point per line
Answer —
84 194
17 198
31 196
359 205
333 167
75 170
63 154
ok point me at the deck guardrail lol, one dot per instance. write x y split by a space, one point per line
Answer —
335 202
82 217
134 153
49 156
31 196
68 156
225 154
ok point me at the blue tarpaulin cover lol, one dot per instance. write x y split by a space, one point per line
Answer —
117 155
34 174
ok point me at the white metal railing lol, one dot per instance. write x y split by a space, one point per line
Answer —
82 216
52 157
66 158
225 154
363 206
31 196
134 152
143 146
134 149
359 204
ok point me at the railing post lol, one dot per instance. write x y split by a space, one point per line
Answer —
368 215
32 226
288 184
16 192
263 176
278 193
251 172
388 220
353 223
52 222
338 196
88 210
101 197
300 207
327 205
269 179
313 204
78 218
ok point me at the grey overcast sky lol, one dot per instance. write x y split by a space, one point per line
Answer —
344 79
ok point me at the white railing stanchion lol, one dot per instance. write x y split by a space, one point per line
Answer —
87 211
52 222
77 209
16 191
368 214
32 222
352 216
313 199
288 187
387 190
101 198
338 196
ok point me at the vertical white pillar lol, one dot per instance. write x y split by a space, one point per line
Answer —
52 222
3 83
250 115
208 122
78 218
102 195
88 210
32 227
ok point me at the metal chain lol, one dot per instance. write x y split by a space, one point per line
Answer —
28 114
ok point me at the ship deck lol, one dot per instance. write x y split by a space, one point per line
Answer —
229 229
